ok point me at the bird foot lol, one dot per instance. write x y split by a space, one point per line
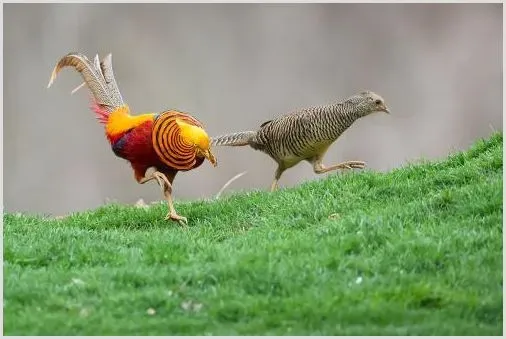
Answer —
183 221
353 164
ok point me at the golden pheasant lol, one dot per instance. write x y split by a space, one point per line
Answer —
306 134
168 142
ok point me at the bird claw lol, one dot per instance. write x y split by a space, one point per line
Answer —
354 164
183 221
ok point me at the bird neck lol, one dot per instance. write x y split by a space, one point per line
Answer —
337 118
349 108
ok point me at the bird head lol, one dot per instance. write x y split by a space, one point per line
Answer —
370 102
197 137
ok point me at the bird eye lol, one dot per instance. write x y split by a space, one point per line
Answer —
378 102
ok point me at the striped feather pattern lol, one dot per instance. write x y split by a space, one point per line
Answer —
234 139
92 76
172 150
305 133
106 68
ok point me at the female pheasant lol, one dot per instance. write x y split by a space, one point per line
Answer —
307 134
169 141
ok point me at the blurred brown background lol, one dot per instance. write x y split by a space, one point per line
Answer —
438 66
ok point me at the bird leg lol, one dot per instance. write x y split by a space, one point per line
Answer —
274 185
166 188
155 175
172 215
319 167
277 175
167 192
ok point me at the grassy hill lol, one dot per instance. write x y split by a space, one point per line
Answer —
416 251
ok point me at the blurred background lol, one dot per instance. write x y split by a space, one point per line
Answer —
234 66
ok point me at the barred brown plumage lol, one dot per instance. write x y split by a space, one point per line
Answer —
168 144
306 134
234 139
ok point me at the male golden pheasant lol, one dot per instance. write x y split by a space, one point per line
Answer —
169 141
307 134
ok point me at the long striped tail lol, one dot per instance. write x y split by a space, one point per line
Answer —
234 139
99 77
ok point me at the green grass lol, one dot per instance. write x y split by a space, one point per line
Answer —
416 251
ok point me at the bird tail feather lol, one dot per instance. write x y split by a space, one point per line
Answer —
234 139
99 77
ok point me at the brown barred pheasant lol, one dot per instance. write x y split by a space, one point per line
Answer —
306 134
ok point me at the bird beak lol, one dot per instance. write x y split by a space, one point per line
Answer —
210 156
384 109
